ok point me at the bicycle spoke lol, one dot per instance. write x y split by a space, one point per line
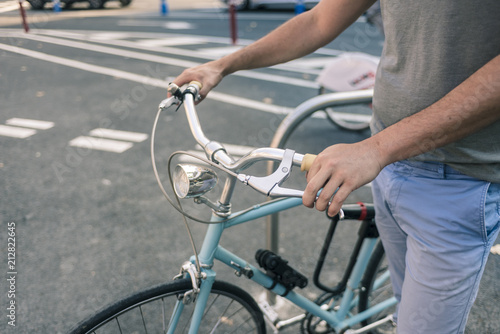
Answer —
163 315
242 324
143 320
228 310
119 327
220 317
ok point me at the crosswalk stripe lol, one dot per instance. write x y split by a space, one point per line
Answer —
119 135
100 144
30 123
16 132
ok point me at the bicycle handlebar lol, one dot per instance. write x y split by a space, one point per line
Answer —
216 153
214 150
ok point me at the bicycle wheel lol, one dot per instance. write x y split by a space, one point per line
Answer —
350 121
375 288
229 310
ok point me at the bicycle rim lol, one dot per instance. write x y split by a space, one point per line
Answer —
229 310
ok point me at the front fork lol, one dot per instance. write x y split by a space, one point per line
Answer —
202 285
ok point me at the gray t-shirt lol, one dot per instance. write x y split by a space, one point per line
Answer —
431 47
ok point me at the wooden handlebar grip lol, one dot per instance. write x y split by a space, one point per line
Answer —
196 83
307 162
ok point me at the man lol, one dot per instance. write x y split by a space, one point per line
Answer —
434 154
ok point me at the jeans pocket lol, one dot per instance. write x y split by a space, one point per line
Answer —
492 210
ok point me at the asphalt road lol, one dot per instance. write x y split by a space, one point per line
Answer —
91 225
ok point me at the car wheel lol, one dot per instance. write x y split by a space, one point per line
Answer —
96 4
125 3
37 4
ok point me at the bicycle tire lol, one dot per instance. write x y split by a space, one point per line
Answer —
369 296
229 310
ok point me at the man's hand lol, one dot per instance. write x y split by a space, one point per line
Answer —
345 167
209 75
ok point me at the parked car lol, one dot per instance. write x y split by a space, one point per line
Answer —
93 4
252 4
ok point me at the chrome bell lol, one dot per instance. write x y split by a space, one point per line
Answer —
193 181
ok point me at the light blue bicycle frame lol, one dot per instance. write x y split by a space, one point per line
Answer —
339 319
212 250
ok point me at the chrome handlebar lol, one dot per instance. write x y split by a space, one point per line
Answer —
269 185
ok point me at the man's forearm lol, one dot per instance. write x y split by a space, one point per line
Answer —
471 106
297 37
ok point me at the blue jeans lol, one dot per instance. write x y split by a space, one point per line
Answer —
437 226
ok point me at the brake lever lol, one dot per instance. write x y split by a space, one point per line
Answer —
168 102
271 184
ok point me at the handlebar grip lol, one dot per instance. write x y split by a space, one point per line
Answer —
196 83
307 161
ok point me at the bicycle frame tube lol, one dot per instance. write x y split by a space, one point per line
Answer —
215 231
211 250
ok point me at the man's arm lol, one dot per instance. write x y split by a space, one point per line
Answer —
296 38
471 106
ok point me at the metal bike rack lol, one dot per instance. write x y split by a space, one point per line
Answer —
286 128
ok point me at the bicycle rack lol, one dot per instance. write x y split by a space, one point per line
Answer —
283 133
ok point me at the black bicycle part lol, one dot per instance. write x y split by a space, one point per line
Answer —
369 296
366 230
229 310
278 269
311 324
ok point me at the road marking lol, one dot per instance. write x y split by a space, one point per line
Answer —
101 144
227 98
222 97
119 135
170 41
8 6
104 38
179 25
109 140
173 25
313 62
16 132
169 61
220 51
30 123
495 249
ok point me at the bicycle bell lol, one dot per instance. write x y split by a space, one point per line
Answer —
193 180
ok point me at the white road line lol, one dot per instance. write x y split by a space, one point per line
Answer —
98 38
173 25
170 41
9 6
219 51
226 98
222 97
315 62
168 60
15 132
119 135
86 67
179 25
30 123
101 144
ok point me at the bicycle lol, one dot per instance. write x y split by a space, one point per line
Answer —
196 302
